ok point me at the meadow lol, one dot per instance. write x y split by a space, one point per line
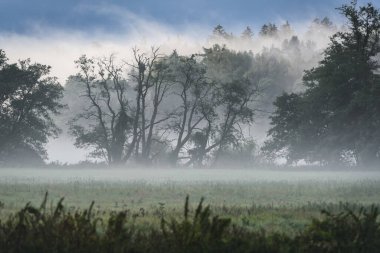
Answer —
274 200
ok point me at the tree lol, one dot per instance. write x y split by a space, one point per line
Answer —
275 75
28 99
322 28
121 115
220 33
193 89
3 58
286 29
337 118
269 30
235 89
153 79
247 33
105 124
325 22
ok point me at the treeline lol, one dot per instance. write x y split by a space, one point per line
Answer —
171 109
271 30
198 110
58 230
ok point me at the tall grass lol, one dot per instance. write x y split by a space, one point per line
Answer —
58 229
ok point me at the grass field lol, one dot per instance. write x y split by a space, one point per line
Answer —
274 200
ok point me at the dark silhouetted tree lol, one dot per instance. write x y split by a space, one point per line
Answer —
337 118
28 99
105 123
220 33
121 113
235 89
193 89
269 30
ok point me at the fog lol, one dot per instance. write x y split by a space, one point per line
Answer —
190 176
61 48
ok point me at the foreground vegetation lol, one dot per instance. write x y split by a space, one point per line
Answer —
273 206
268 212
59 230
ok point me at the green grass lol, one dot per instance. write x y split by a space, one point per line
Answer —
274 206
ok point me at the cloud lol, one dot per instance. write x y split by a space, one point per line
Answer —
59 48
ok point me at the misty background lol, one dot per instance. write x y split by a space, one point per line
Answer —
292 51
284 38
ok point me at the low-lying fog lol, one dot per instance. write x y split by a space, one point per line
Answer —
179 175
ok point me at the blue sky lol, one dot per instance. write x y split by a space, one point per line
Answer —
18 16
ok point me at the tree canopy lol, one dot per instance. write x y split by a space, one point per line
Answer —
336 120
28 99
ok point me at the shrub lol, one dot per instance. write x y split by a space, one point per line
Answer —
347 231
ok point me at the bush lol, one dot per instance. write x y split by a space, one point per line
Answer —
347 231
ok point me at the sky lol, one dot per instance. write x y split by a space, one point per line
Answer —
22 16
57 32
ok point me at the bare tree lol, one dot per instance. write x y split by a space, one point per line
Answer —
192 87
231 107
109 122
151 73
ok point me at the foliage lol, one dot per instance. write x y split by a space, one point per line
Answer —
220 33
347 231
194 92
269 30
242 152
181 110
28 99
58 230
237 85
336 119
202 233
